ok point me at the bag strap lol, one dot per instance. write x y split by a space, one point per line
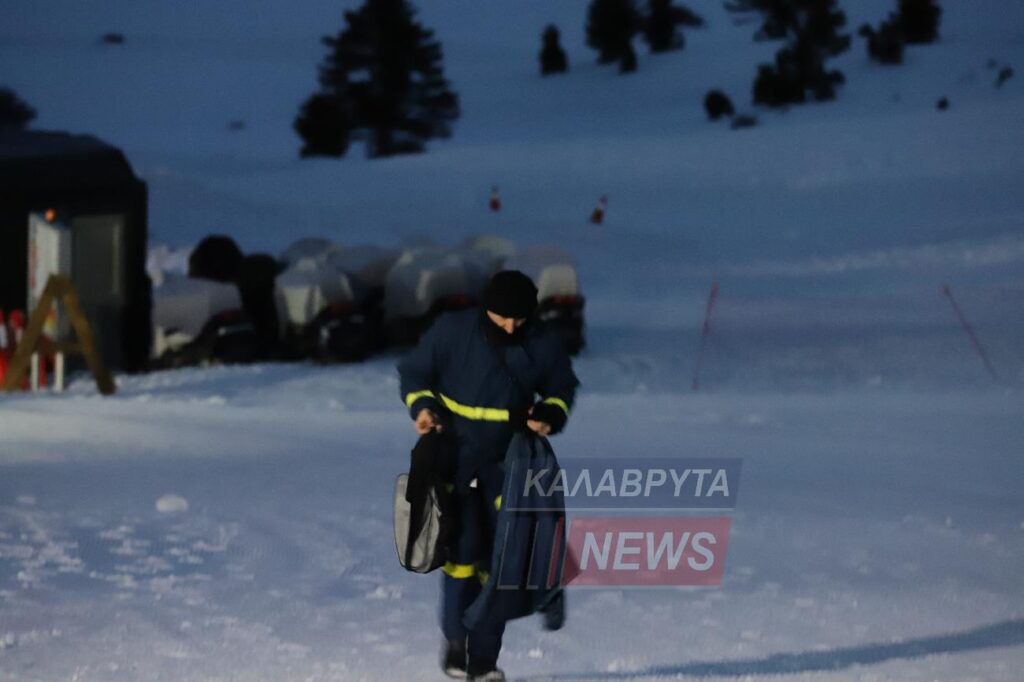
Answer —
499 354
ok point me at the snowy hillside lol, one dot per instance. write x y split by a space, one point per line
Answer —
869 202
880 531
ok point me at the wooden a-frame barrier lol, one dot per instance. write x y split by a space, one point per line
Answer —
58 288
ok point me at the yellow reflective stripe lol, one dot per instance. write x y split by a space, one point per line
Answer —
497 502
483 576
459 570
558 401
416 395
489 414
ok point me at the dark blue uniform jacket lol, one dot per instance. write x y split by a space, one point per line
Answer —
477 385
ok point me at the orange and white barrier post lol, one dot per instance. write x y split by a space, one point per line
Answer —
58 372
33 374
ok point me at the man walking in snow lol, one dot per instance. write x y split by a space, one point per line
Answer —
476 376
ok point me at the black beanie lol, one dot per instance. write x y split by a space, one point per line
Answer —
510 293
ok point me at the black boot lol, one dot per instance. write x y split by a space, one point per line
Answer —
483 650
485 673
554 612
453 658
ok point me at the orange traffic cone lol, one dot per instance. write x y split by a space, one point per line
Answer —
495 202
597 217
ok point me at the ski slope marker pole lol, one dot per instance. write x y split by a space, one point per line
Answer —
975 341
705 330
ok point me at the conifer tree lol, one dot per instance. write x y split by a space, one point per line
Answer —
611 26
778 16
628 63
813 36
14 113
919 20
660 27
382 81
885 44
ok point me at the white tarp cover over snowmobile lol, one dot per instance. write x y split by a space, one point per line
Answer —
550 268
486 253
369 263
317 248
422 276
163 262
307 287
185 304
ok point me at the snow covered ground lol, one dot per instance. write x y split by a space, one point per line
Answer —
235 523
879 536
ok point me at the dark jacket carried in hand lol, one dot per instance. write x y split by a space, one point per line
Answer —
529 539
481 382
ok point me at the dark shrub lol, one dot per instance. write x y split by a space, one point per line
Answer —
14 113
552 56
216 257
717 104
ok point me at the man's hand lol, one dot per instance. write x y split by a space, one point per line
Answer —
539 427
427 421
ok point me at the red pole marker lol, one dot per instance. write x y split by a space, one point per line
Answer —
495 202
946 291
705 331
597 217
16 329
4 349
17 326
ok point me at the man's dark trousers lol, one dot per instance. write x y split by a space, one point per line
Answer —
465 574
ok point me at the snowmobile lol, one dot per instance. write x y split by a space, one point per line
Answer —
560 301
229 337
368 266
316 248
197 321
324 313
424 283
